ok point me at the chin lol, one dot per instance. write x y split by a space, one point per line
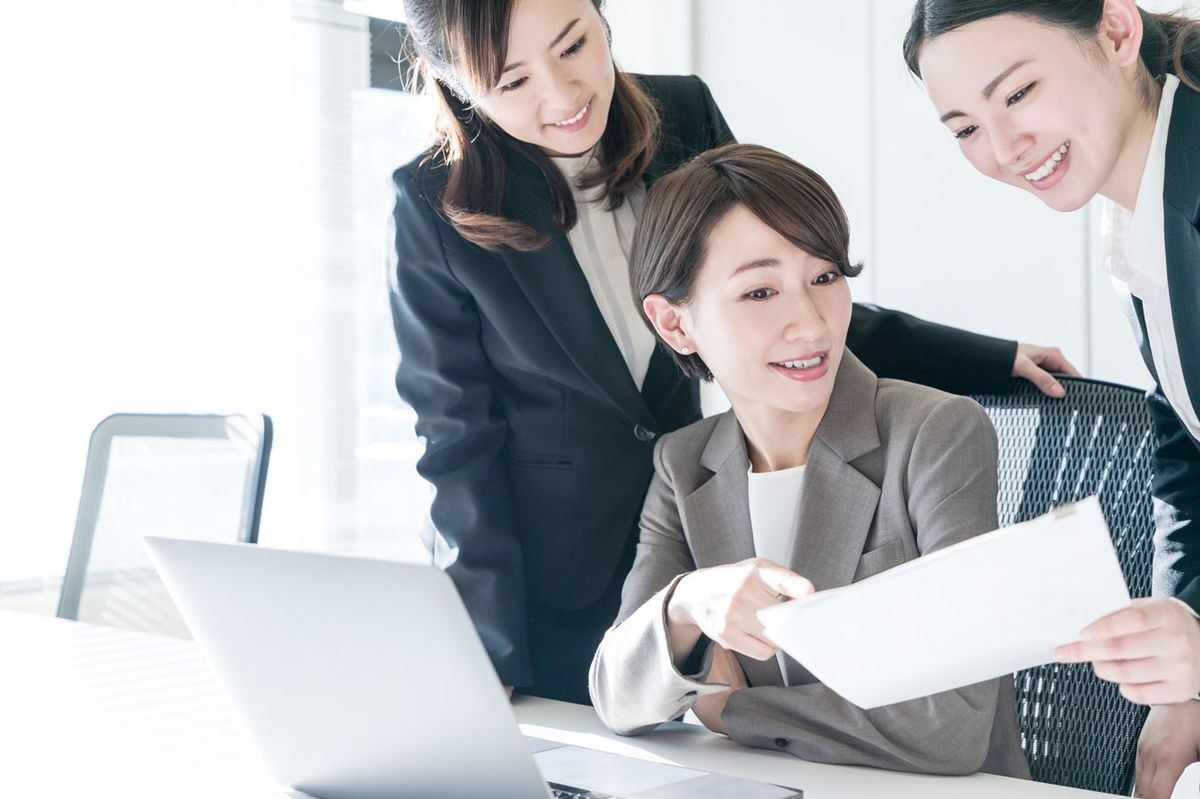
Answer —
1065 203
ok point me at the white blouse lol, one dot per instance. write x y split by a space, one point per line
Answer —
774 510
601 241
1137 264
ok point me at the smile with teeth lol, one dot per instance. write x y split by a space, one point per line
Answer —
566 123
1050 164
805 364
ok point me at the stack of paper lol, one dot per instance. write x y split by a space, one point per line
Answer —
974 611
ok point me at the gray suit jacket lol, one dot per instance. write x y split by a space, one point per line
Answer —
896 470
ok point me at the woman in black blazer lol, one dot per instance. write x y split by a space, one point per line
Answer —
1070 100
539 432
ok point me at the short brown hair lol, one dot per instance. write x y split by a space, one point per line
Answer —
682 208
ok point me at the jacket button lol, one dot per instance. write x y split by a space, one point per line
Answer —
643 434
782 743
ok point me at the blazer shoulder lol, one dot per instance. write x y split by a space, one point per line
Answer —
681 90
905 410
685 104
424 176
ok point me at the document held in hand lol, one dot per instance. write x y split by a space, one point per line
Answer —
986 607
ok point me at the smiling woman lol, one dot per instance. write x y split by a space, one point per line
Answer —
739 265
1070 100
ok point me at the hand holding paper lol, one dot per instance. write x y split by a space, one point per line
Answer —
989 606
1152 648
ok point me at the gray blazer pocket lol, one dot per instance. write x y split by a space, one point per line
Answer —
880 559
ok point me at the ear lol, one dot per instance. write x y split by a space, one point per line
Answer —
1121 31
669 321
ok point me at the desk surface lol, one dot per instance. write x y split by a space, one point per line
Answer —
89 711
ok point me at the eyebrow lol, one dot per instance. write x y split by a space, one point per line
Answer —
988 90
757 263
553 44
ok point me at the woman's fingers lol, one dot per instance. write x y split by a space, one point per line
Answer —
783 581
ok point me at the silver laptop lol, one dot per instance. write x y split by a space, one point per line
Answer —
365 679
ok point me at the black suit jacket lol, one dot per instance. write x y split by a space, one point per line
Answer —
1176 486
538 441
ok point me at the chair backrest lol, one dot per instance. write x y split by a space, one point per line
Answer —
1076 729
198 476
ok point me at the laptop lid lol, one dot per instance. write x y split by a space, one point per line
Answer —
357 678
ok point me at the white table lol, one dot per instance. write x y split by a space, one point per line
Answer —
89 711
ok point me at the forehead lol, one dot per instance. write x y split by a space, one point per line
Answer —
740 236
535 23
958 64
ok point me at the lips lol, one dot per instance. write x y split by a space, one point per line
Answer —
1050 172
812 366
575 122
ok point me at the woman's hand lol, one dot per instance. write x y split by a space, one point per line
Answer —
1151 648
1035 364
725 670
722 602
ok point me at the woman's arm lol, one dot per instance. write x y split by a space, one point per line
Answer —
446 377
636 682
900 346
952 496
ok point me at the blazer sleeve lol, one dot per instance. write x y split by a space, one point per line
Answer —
952 497
446 376
1176 492
633 680
900 346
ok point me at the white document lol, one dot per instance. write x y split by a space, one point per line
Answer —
977 610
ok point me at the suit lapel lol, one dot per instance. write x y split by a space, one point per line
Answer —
717 514
837 503
553 281
717 518
1181 213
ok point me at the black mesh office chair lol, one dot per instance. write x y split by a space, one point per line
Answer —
185 475
1076 729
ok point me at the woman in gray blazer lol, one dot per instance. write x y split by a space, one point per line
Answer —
820 475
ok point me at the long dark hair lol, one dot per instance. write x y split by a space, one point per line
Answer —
461 45
1170 42
682 209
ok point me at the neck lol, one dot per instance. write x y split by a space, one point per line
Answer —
1125 180
778 439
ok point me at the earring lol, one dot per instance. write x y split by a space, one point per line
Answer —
685 350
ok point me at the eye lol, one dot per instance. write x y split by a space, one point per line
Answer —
516 84
1019 94
827 278
576 47
758 295
966 132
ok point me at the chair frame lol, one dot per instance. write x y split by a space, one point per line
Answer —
1135 563
153 425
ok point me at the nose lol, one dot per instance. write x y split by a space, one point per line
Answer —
804 322
563 92
1010 146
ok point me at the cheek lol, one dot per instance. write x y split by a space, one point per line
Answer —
516 116
835 310
980 156
597 71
